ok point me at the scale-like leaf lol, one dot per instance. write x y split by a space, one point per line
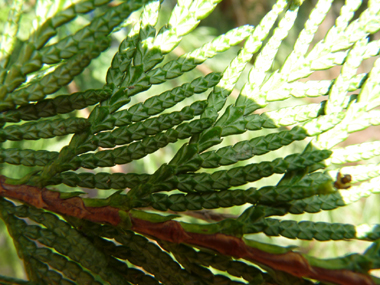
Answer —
172 155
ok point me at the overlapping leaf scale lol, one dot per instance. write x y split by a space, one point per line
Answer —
165 100
131 47
316 204
8 38
201 274
355 153
177 67
139 149
159 260
63 74
231 74
233 123
334 200
317 15
123 57
138 77
68 157
246 149
31 56
355 119
265 58
48 29
250 97
114 252
147 53
224 179
45 255
349 69
308 230
155 261
45 237
322 124
316 88
59 105
99 27
204 274
133 275
101 180
232 154
126 154
190 60
223 263
67 241
27 157
184 18
72 270
166 266
292 115
186 160
370 91
339 37
362 24
332 59
372 50
339 57
268 195
44 129
310 185
46 275
151 126
198 201
127 253
36 270
347 12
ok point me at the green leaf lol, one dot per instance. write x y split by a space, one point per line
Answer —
126 139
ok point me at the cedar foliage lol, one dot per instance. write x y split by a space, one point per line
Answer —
140 234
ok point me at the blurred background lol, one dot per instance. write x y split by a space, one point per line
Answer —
227 15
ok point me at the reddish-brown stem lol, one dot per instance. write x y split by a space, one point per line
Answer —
172 231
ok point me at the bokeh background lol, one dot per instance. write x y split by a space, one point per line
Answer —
227 15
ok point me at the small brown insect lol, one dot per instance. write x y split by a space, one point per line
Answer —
343 182
129 88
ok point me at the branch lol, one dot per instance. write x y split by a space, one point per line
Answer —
291 262
50 200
